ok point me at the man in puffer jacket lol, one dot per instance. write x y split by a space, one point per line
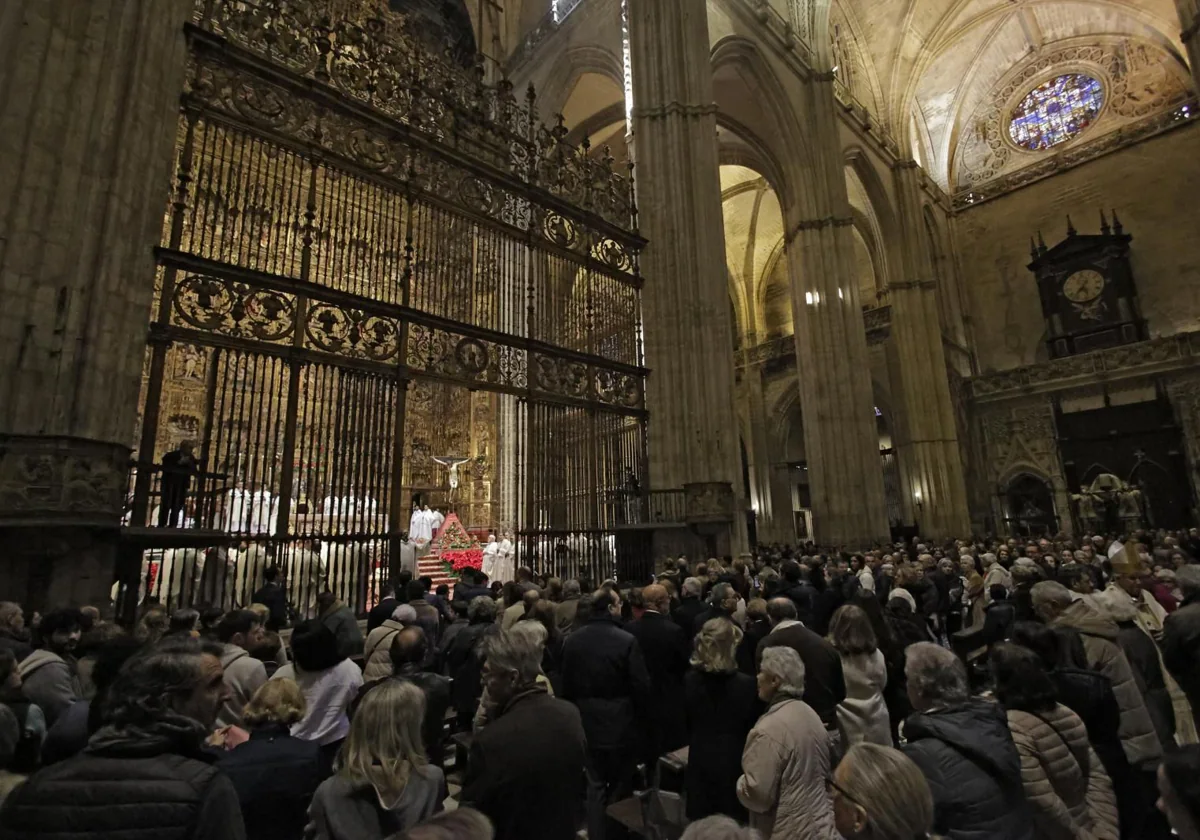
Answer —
965 751
145 772
48 675
1054 604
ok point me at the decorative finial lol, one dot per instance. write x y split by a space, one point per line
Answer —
586 145
1117 228
1104 228
1070 227
1041 243
1033 251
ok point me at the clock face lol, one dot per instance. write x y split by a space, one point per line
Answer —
1083 286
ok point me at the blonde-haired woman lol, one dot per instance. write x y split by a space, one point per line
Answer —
383 783
275 774
880 794
722 705
863 714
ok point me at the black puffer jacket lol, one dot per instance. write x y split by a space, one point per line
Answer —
968 757
128 784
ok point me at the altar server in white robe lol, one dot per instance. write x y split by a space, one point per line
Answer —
216 578
248 568
306 578
491 556
178 581
436 520
506 568
239 511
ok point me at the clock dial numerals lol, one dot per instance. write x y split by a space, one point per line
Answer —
1083 286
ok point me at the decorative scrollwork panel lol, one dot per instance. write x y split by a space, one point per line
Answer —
465 358
350 332
228 307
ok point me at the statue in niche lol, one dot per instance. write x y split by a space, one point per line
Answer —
442 24
191 360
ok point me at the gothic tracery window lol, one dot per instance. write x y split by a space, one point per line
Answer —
1055 111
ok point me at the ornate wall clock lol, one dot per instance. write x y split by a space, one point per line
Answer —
1087 291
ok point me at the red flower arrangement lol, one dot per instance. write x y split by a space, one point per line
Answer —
456 548
458 560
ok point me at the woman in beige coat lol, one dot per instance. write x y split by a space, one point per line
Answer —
1068 790
377 648
786 760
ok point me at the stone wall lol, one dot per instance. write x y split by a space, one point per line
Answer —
1153 186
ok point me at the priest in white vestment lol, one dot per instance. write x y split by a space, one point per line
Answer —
420 527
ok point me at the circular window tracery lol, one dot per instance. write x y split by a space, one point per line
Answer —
1055 111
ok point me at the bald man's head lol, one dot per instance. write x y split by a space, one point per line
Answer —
656 598
409 647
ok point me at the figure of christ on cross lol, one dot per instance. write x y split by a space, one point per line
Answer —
451 462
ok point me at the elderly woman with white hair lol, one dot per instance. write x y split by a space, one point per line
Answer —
785 763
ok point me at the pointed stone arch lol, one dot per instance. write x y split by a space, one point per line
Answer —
569 67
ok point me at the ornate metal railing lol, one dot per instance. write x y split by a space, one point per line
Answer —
371 57
381 282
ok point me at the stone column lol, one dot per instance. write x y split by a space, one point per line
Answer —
689 331
841 442
930 452
89 92
759 459
1189 22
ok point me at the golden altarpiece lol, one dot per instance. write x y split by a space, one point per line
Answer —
375 266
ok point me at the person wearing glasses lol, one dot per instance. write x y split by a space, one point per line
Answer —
879 794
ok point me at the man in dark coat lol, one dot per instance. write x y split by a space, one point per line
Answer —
1181 637
178 467
146 766
526 765
690 606
408 654
800 591
604 674
665 650
463 661
273 596
471 586
428 617
964 750
382 611
824 683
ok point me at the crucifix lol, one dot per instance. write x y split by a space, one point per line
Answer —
452 462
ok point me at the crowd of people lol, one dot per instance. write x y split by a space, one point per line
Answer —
1018 690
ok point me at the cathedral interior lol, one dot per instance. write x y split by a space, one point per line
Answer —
615 279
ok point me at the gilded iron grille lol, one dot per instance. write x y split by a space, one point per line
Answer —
375 267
